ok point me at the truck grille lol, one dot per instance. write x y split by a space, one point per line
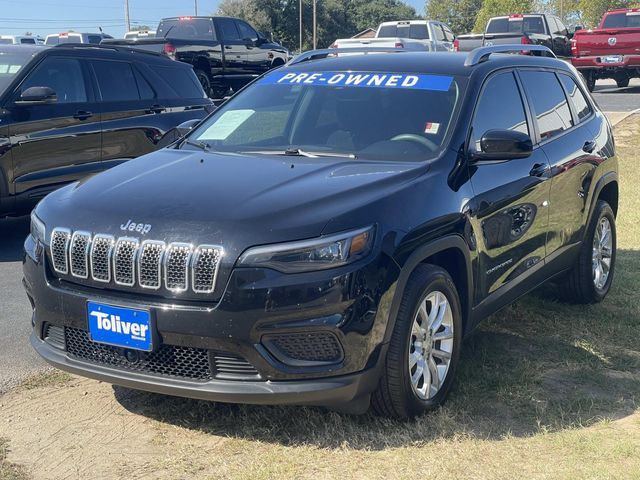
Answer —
129 263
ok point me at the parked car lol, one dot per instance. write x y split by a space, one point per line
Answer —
226 53
530 29
18 40
426 35
325 239
610 51
71 111
75 37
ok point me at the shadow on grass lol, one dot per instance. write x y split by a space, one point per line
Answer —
538 365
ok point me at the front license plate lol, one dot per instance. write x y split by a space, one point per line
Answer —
120 327
613 59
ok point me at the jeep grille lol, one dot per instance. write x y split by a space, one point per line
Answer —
150 264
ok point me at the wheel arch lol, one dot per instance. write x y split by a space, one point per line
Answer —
606 189
453 255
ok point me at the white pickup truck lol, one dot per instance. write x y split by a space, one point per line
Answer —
426 35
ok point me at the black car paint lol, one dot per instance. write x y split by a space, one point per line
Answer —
227 63
441 211
45 146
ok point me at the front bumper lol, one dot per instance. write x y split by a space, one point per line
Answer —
348 304
598 62
329 392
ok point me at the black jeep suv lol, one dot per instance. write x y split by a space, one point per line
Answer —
331 234
73 110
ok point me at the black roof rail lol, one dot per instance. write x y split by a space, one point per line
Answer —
107 46
325 52
482 54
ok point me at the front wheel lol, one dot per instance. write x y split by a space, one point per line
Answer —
590 279
424 348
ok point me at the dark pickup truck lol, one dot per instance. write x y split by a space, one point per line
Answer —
226 53
530 29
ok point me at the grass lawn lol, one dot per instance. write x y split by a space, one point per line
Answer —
544 390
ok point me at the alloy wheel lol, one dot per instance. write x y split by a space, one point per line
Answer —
602 251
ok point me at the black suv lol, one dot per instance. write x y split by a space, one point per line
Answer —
73 110
331 234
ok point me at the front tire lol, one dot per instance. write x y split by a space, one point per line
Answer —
424 348
590 280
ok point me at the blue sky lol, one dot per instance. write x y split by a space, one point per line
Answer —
52 16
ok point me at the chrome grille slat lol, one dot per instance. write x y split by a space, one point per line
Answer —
59 246
124 261
130 262
100 257
79 254
150 264
176 266
204 269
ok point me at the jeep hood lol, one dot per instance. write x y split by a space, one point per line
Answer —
233 200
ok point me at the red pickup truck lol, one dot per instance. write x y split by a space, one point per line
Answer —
610 51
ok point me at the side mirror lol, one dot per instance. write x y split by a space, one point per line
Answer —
37 96
503 145
186 127
577 28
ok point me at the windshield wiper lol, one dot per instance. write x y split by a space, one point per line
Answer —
201 145
298 152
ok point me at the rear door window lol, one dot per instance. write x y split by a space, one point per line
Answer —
548 101
116 81
576 96
227 29
502 90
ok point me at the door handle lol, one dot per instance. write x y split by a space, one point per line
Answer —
589 146
538 170
156 109
82 115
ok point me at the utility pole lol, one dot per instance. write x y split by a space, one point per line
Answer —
127 22
315 25
300 26
196 4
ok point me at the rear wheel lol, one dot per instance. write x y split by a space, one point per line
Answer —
424 348
590 79
203 78
590 279
622 81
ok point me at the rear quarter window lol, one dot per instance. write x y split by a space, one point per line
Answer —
181 81
576 96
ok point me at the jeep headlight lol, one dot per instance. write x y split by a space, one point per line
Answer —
309 255
38 230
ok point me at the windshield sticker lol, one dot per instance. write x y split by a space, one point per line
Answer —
226 124
439 83
432 128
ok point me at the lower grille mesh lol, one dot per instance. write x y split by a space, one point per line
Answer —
321 347
168 360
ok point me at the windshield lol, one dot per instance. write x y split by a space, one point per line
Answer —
198 28
622 20
368 115
416 31
10 65
516 25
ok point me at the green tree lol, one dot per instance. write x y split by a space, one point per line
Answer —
494 8
460 15
335 18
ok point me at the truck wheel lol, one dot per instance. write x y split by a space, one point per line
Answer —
424 348
622 81
203 78
590 279
590 79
